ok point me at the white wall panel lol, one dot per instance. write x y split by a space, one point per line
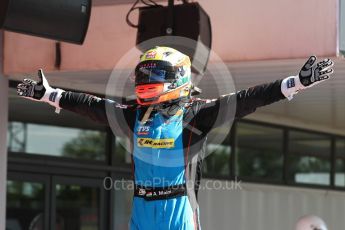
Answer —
263 207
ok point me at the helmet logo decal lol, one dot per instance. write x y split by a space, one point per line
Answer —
151 54
148 65
166 54
181 71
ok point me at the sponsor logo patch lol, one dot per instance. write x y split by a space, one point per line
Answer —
156 143
117 105
52 96
290 83
149 194
143 130
142 192
151 54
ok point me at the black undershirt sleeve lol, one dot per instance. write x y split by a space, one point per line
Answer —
248 100
216 112
86 105
95 108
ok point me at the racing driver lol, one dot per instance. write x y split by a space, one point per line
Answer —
163 123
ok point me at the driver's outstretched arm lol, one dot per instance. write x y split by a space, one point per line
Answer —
245 102
81 103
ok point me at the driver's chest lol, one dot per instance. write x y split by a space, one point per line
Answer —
159 131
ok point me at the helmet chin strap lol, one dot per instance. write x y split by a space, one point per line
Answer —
167 109
170 108
147 114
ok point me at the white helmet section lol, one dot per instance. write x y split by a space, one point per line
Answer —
311 222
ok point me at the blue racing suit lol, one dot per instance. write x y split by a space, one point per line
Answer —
167 151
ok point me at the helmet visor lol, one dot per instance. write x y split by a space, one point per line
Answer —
151 73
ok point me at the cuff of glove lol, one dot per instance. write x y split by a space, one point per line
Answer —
290 86
52 97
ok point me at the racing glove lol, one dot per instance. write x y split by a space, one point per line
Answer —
310 75
40 91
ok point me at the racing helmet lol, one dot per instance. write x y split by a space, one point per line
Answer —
162 75
311 222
